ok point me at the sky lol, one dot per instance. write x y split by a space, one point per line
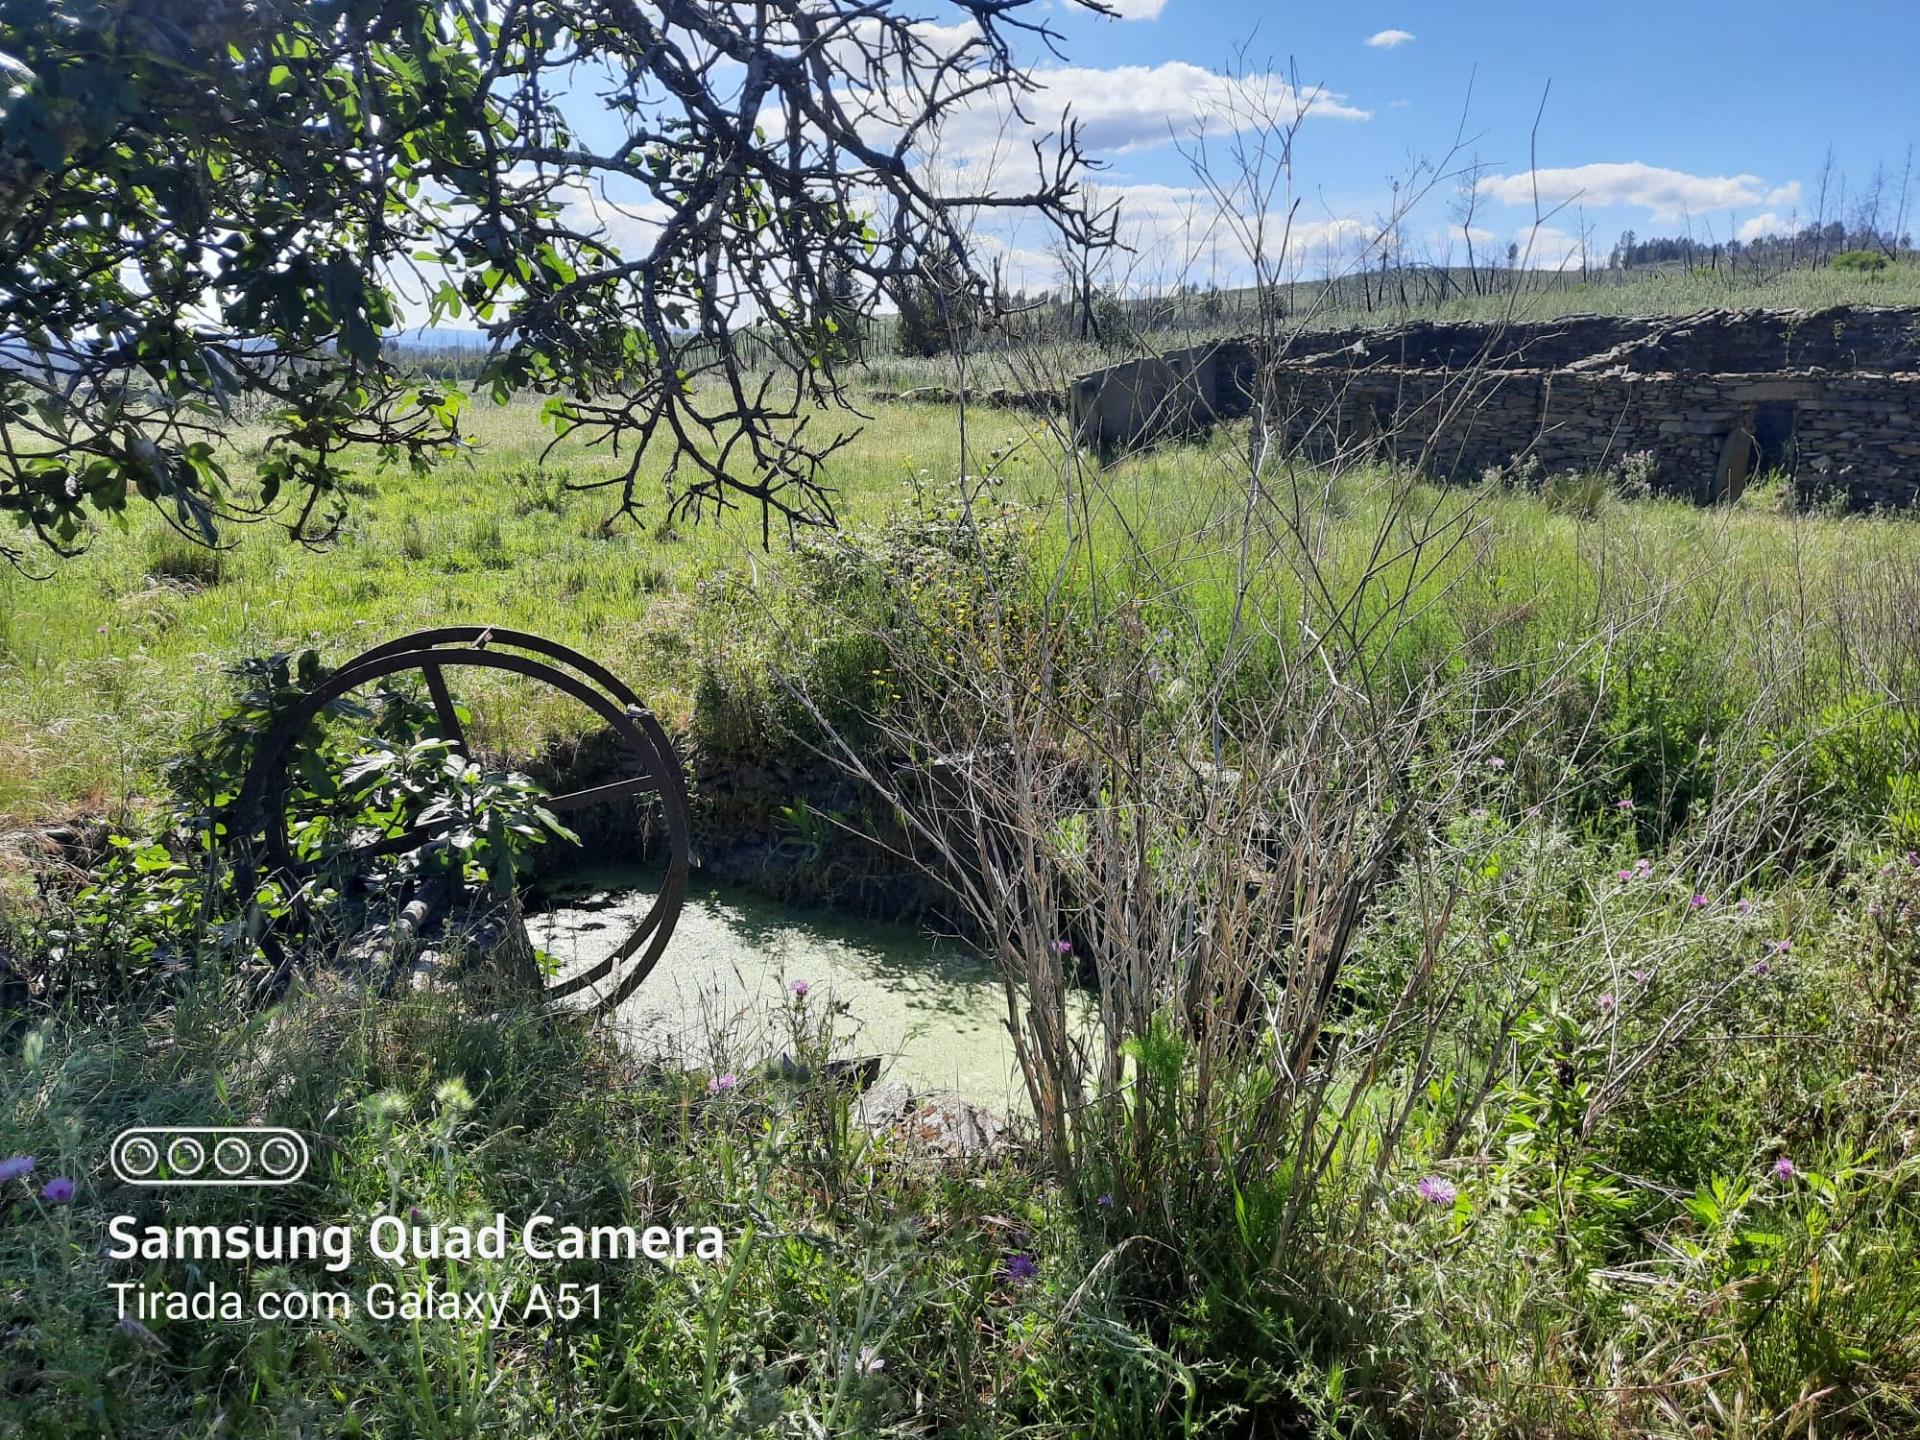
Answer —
1664 118
1568 125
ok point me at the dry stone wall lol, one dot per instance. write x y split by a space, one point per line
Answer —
1832 398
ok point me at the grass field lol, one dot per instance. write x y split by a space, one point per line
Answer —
1503 903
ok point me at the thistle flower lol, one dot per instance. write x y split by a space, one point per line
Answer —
722 1083
1436 1190
16 1167
1020 1267
1697 902
1105 1202
800 988
1761 969
1783 1169
1605 1002
57 1191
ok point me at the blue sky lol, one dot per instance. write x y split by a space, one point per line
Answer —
1665 117
1662 117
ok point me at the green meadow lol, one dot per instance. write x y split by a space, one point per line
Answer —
1594 815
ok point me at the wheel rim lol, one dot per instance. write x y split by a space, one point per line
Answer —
642 739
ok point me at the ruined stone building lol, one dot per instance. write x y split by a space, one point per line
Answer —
1830 398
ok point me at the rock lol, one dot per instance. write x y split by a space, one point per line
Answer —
884 1107
944 1123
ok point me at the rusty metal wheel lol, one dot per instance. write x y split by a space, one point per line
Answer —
260 816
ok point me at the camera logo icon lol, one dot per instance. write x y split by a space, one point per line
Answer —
209 1155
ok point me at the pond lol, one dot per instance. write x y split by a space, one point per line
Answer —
929 1006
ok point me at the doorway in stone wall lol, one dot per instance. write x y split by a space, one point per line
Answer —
1773 428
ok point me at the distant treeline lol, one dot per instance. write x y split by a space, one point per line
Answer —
1810 245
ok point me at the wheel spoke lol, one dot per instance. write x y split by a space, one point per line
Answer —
394 844
443 707
577 799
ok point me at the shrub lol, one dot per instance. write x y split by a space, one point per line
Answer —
1860 262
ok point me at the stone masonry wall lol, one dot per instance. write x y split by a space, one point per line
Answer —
1833 398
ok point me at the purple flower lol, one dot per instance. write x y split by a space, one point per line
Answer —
1625 875
1061 947
800 988
1781 947
1623 804
1020 1267
1436 1190
16 1167
1743 907
1783 1169
1605 1002
1761 969
1643 866
1640 977
57 1191
868 1362
1698 902
1105 1202
722 1083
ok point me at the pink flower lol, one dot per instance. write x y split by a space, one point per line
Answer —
1698 902
1783 1169
1605 1002
1743 907
1496 763
1625 875
800 988
1436 1190
1623 804
722 1083
1061 947
1781 947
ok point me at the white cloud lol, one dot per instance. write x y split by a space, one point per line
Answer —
1399 104
1389 39
1544 247
1137 9
1767 224
1785 195
1666 194
1131 107
1176 234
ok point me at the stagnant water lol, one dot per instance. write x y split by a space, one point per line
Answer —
929 1007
